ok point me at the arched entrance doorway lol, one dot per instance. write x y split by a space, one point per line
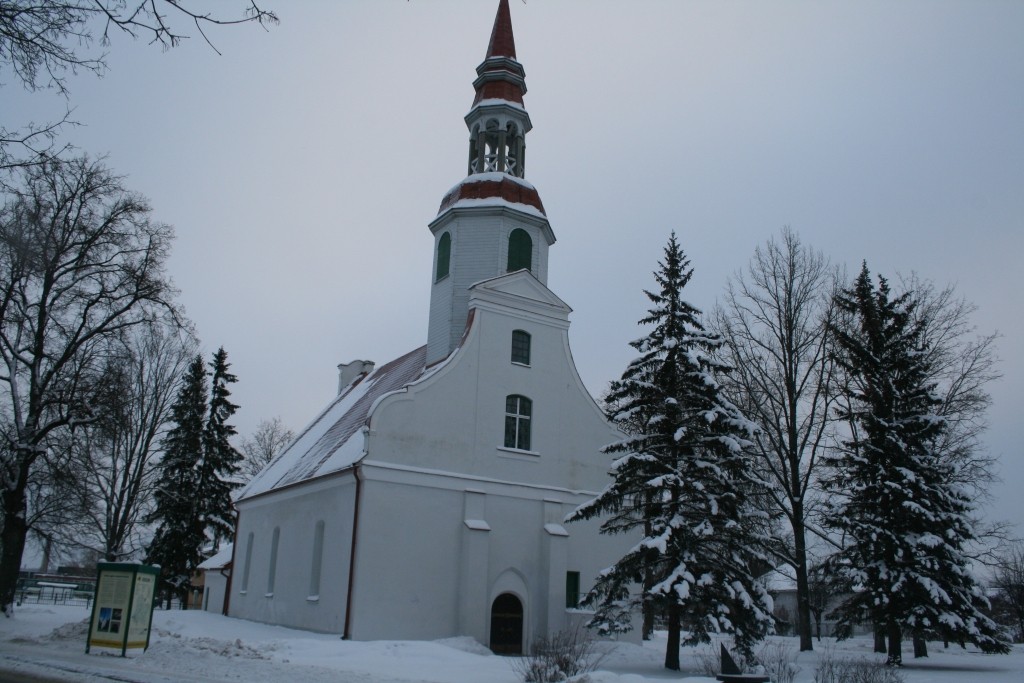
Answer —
507 625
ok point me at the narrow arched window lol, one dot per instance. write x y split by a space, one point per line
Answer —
248 561
272 571
521 347
518 415
318 559
444 256
520 250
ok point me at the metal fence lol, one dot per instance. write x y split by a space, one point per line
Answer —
52 593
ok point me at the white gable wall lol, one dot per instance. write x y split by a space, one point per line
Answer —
453 420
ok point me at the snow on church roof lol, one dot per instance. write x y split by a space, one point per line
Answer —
332 441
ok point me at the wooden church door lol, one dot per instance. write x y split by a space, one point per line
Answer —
507 625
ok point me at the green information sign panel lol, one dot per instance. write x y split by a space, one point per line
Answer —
122 609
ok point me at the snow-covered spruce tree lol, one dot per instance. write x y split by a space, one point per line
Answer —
221 462
682 480
896 502
178 543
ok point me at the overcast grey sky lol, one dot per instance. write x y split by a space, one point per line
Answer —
300 169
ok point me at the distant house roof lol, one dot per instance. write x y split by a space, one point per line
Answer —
219 560
332 441
778 581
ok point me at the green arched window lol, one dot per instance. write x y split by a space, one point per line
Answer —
444 255
520 250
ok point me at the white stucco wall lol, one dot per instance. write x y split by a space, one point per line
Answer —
296 511
435 550
214 588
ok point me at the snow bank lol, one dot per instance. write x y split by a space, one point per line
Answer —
49 640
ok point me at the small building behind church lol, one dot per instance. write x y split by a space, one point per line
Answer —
427 499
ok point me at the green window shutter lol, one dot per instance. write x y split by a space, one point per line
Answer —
444 256
572 590
520 251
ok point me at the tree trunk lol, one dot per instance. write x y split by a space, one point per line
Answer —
880 639
817 625
895 657
12 542
647 629
648 626
920 647
672 647
803 589
44 565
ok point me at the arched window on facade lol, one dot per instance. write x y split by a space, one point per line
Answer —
272 571
520 250
521 347
248 561
444 256
518 415
318 560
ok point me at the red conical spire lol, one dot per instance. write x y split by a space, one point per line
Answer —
503 43
500 74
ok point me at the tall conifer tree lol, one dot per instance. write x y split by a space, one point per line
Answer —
896 502
198 472
179 539
681 480
221 462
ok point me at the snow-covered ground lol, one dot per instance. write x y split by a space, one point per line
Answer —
49 641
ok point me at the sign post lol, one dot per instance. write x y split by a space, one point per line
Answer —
122 609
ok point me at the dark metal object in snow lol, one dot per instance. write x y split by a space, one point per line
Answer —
732 674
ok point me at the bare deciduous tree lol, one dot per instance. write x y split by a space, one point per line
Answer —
116 454
964 363
269 439
1008 580
775 321
81 263
43 41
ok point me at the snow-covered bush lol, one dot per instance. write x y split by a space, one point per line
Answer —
708 660
832 669
778 661
565 654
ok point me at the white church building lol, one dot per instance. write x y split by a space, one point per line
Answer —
427 499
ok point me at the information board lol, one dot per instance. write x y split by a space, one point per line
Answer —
122 610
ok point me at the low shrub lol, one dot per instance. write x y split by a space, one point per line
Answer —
558 658
832 669
779 662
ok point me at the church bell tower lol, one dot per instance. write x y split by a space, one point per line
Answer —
492 222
